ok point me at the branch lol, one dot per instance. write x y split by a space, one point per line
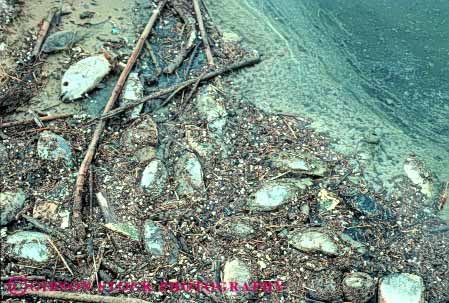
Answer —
199 18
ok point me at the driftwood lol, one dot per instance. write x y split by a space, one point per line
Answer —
43 31
182 85
82 174
29 121
78 297
199 17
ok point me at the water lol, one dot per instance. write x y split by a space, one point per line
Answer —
357 68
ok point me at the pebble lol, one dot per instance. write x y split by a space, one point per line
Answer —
303 163
11 202
142 134
239 227
29 245
154 177
211 110
132 92
419 175
84 76
367 206
401 288
236 271
157 242
359 287
54 147
189 175
271 196
314 241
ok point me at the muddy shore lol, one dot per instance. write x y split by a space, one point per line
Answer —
197 186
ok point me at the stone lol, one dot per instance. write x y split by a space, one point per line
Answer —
314 241
367 206
141 134
239 227
45 210
189 174
157 242
29 245
236 271
231 37
145 154
353 244
154 177
401 288
419 175
272 195
11 202
301 163
125 229
87 15
84 76
211 110
54 148
133 92
60 41
358 287
327 201
3 153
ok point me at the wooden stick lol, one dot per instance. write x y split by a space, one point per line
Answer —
182 85
79 297
82 174
29 121
43 31
60 255
203 32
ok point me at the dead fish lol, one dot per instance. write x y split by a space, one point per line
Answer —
83 76
60 41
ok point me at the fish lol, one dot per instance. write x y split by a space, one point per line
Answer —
60 41
83 76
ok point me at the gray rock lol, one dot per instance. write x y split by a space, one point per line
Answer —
419 175
236 271
353 244
157 242
314 241
272 195
11 202
239 227
359 287
84 76
54 147
304 163
29 245
60 41
145 154
401 288
133 92
3 153
367 206
142 134
212 110
189 174
154 177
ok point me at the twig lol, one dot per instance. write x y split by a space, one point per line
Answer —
29 121
106 210
91 188
60 255
192 57
80 297
199 17
181 86
77 201
154 59
43 31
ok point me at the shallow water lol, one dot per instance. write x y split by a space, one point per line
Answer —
356 68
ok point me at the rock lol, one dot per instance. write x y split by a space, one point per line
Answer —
230 37
54 147
145 154
154 177
3 153
239 227
125 229
133 92
353 244
11 202
327 201
401 288
419 175
157 242
325 287
45 210
272 195
359 287
60 41
199 141
87 15
189 175
314 241
141 134
236 271
304 163
211 110
29 245
367 206
84 76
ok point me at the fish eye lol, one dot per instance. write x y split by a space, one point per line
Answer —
65 83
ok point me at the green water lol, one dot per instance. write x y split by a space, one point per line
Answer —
356 68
